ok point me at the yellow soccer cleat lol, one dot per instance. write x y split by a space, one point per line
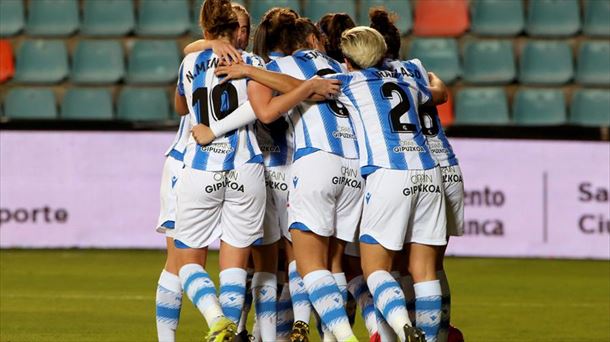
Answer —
224 330
300 332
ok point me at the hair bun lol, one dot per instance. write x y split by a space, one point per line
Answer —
380 18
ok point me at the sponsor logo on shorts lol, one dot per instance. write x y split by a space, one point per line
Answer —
450 175
349 177
429 188
295 181
437 147
225 180
276 180
368 197
344 133
220 148
174 180
408 146
269 148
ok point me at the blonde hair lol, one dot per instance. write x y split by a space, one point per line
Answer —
363 46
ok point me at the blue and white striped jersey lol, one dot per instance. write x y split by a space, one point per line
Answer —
276 139
208 103
178 146
428 115
386 119
323 126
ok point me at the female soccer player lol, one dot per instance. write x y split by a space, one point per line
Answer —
221 193
441 150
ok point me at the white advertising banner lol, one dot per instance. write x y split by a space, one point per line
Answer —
101 190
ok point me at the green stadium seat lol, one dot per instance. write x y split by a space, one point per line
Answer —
496 17
553 18
481 106
258 8
98 61
11 17
163 17
402 8
439 55
87 104
597 18
593 66
546 62
539 107
590 107
316 9
153 61
108 17
489 61
52 18
143 104
30 103
41 61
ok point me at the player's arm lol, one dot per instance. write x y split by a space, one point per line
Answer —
240 117
275 80
269 108
221 48
438 89
180 105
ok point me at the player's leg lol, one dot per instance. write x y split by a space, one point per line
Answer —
242 219
311 195
454 197
301 306
428 235
264 289
169 290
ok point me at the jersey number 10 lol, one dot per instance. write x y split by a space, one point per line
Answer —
224 102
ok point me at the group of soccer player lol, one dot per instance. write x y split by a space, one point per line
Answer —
320 163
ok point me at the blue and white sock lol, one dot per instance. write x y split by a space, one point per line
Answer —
428 308
342 285
201 291
284 314
243 320
406 283
326 298
301 306
385 331
168 301
445 306
358 288
264 292
390 300
233 292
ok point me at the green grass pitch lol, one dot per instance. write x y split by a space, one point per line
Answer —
107 295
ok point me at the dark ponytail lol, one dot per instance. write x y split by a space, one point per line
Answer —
384 24
333 25
275 32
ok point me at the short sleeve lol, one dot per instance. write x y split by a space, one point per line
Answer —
254 60
422 82
180 84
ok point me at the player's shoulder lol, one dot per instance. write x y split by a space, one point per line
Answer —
252 59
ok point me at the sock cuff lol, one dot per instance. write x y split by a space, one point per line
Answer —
376 278
264 279
170 281
340 279
312 277
427 289
292 266
188 269
233 274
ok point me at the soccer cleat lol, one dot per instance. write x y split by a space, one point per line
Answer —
243 337
375 337
300 332
413 334
222 331
455 335
352 339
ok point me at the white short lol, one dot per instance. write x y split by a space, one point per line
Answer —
172 168
229 205
404 206
275 224
326 195
454 198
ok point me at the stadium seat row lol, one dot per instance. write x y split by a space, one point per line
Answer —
432 17
541 62
474 106
133 104
156 61
94 62
532 107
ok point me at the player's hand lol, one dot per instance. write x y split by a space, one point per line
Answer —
203 134
232 72
324 87
226 51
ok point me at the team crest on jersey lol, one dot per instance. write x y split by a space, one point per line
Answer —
408 146
221 148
